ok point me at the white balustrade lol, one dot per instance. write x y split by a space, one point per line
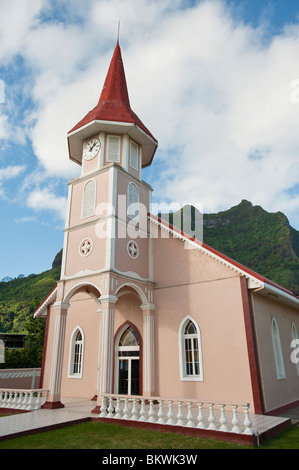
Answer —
214 416
28 400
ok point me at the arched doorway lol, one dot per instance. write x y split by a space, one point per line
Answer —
128 362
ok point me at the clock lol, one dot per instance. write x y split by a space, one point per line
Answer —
91 149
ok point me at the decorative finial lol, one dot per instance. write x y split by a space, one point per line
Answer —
118 32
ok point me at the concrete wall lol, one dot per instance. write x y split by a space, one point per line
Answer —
20 378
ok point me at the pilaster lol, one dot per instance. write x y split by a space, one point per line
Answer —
149 349
54 395
106 355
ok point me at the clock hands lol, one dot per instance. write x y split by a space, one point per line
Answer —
92 148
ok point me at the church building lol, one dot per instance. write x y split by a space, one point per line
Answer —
143 309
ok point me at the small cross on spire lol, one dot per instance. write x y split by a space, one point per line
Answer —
118 32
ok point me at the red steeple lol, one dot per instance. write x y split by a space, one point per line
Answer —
114 103
115 86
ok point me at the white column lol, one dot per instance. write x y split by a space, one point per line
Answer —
148 349
54 397
106 343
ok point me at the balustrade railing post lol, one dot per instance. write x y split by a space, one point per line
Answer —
247 421
103 408
170 414
14 401
19 403
212 418
37 401
142 411
134 416
190 418
30 401
127 413
5 400
110 409
9 401
200 417
235 420
152 415
117 409
26 401
161 419
223 419
180 416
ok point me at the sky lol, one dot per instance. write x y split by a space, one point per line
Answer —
216 82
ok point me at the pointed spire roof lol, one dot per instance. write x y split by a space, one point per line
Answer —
114 103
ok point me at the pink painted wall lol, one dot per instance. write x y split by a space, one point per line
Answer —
102 180
191 283
83 313
75 263
277 392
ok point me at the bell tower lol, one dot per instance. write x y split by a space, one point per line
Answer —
108 202
107 250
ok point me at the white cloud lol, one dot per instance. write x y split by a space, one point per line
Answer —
4 128
7 174
45 200
11 172
17 17
214 93
25 220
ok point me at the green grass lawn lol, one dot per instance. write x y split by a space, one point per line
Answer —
95 435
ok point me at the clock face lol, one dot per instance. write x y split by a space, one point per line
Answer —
91 149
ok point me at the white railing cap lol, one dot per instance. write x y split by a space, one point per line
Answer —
183 400
25 390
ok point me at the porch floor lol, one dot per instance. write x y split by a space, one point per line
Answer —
78 410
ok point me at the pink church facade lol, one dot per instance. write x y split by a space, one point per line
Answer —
143 309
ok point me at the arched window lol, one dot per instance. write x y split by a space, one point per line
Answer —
277 351
76 354
89 199
133 201
295 341
190 350
129 338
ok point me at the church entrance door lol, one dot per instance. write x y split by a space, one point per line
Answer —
128 363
